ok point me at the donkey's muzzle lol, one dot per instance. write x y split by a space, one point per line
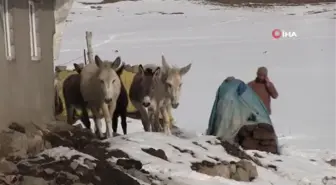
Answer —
108 100
146 104
175 105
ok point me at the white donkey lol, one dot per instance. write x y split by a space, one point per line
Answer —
100 87
166 94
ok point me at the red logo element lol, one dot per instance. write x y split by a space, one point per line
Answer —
276 33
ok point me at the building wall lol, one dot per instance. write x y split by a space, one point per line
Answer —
62 10
27 83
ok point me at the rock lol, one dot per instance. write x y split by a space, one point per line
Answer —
267 127
238 152
271 142
139 175
17 127
332 162
82 170
61 178
157 153
249 168
129 163
21 143
35 144
13 144
49 171
258 137
246 130
233 168
271 148
29 180
89 163
250 143
7 167
241 175
74 165
263 134
220 170
73 178
275 168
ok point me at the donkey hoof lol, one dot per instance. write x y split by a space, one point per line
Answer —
101 136
115 134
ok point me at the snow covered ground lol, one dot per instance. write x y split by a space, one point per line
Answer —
292 168
221 42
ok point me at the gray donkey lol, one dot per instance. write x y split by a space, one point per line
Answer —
141 89
100 87
165 94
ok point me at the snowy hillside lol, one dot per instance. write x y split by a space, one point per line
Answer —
156 159
221 42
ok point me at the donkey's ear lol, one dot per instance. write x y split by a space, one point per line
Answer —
120 69
116 63
78 68
165 65
141 70
157 71
98 61
185 70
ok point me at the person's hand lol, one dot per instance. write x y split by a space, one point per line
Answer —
267 81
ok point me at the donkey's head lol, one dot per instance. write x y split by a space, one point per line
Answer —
148 77
172 79
108 78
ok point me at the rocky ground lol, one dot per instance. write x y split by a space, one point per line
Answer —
258 137
65 155
73 156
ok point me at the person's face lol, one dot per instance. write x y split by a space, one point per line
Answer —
261 76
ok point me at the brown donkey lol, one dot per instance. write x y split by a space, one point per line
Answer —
74 99
141 89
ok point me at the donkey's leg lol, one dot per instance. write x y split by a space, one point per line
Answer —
95 112
69 112
156 122
124 121
151 116
115 121
144 115
85 117
171 117
166 118
108 119
152 110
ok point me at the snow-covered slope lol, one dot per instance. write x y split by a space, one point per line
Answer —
174 165
221 42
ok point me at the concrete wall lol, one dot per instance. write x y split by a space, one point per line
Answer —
62 10
26 93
